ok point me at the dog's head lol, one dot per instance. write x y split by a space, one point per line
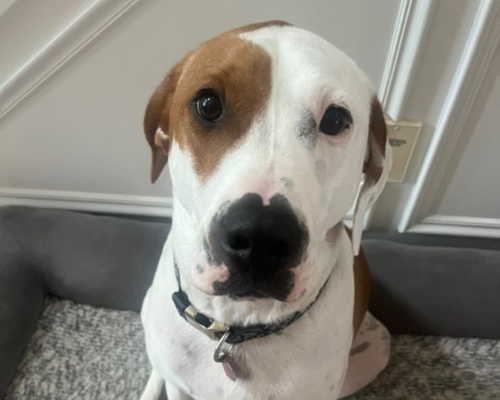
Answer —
268 130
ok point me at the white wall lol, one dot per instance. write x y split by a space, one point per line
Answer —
474 190
454 69
75 140
79 136
5 5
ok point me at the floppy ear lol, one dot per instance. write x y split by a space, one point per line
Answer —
156 121
376 169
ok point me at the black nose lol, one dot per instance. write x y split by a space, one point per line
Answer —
256 237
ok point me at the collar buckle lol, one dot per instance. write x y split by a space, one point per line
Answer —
222 333
212 329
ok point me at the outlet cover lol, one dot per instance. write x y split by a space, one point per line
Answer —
402 138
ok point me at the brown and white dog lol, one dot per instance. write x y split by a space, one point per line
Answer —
269 131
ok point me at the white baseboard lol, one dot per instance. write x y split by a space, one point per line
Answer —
458 226
88 202
95 202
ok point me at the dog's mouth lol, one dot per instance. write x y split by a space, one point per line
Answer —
249 295
241 286
285 285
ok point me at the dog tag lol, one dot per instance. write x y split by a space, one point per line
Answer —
229 368
223 354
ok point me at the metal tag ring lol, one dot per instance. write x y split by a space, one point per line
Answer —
220 354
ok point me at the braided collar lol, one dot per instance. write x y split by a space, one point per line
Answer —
233 334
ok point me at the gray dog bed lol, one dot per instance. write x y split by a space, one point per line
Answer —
71 286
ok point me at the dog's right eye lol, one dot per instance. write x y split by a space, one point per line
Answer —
209 106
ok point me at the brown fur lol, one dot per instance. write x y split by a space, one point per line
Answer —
157 116
260 25
378 127
239 71
376 141
361 290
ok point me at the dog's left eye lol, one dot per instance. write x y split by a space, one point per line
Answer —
209 106
336 120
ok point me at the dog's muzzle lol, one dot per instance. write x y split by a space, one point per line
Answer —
259 244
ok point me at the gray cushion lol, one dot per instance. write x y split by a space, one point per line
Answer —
435 290
102 261
109 262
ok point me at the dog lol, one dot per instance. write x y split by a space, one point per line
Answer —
261 292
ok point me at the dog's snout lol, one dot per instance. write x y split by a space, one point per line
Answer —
259 238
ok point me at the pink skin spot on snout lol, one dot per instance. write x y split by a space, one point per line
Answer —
267 190
264 184
204 276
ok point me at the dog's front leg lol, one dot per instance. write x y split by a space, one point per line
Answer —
153 388
173 393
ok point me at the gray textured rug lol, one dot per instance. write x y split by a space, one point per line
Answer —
82 352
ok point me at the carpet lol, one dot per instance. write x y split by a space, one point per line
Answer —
87 353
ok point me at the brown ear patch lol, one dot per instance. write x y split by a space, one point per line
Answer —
378 127
376 141
157 116
240 73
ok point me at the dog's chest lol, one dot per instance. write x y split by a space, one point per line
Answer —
307 361
294 366
270 372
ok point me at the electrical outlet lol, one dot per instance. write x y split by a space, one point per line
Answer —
402 138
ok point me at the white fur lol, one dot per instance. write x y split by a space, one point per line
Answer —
309 360
368 196
153 387
291 366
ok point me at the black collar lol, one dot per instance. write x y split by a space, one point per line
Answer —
234 334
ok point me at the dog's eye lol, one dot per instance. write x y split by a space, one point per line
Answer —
335 121
209 106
